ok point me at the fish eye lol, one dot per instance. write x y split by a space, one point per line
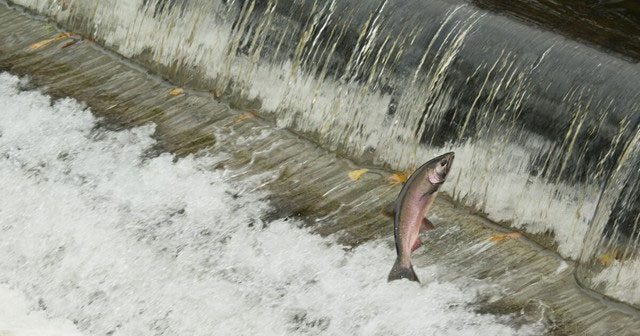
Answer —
443 163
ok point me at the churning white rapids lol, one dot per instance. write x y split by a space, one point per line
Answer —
98 237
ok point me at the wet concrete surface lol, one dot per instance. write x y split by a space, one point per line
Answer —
308 182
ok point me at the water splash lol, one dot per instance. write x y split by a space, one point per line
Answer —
121 243
393 82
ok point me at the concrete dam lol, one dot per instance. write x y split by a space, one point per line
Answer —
544 120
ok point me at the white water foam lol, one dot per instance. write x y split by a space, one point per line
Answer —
507 185
96 233
18 318
347 114
620 280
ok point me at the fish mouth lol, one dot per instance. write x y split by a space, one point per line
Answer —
449 156
444 162
446 156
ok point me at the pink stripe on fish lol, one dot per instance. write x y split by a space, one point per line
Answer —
434 178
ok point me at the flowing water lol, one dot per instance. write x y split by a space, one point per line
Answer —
100 237
539 122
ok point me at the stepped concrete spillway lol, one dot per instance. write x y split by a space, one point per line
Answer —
545 121
305 180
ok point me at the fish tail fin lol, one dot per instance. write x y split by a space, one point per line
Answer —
402 272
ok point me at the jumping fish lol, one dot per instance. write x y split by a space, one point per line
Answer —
412 206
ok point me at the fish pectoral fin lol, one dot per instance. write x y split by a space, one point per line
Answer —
416 244
389 210
427 225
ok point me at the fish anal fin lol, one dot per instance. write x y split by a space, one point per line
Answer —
427 225
416 244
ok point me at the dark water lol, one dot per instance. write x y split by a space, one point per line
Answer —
611 24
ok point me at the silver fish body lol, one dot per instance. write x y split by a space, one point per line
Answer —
412 206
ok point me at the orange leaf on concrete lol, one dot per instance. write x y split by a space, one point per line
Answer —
245 116
176 91
398 178
46 42
355 175
609 257
504 236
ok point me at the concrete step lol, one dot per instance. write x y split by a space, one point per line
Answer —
307 182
